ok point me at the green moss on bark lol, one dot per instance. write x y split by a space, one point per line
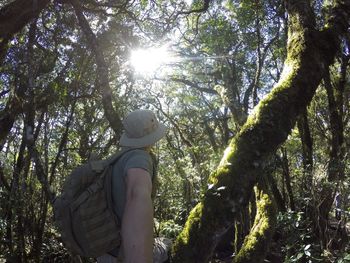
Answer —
256 244
269 125
193 221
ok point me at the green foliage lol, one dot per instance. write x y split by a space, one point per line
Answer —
144 3
169 229
299 243
297 236
344 258
216 48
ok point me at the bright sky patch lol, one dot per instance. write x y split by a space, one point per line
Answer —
147 61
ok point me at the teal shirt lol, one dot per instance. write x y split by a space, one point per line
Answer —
137 158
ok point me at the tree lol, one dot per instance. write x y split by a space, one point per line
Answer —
264 130
66 81
14 16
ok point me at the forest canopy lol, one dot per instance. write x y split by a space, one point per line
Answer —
255 95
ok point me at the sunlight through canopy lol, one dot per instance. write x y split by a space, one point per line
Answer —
147 61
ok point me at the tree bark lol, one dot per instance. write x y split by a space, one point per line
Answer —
15 206
14 106
309 54
287 179
14 16
256 244
280 202
336 166
307 149
242 227
336 155
3 180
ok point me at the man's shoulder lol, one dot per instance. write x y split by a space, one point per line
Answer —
137 152
135 157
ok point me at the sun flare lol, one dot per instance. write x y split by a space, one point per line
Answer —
147 61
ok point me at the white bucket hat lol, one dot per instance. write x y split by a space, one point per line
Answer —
141 129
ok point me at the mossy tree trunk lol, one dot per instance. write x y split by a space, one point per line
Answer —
242 227
309 54
257 242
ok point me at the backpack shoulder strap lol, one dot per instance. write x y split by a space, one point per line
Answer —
114 158
99 165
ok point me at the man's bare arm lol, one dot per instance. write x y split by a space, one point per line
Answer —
137 222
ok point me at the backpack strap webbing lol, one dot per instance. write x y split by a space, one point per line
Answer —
98 166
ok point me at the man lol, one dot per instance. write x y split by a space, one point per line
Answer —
132 188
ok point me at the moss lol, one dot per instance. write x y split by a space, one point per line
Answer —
255 245
195 244
248 153
191 221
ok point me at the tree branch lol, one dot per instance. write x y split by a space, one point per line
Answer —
200 10
102 70
194 85
14 16
266 129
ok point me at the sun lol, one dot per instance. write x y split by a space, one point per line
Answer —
148 61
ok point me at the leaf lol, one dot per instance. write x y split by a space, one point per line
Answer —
307 247
144 3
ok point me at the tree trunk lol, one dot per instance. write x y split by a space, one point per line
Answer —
255 246
242 226
287 179
29 124
3 180
280 202
15 205
306 142
211 136
14 106
309 53
336 156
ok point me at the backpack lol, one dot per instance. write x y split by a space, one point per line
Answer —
83 213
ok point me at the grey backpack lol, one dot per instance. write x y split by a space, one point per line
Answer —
83 212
